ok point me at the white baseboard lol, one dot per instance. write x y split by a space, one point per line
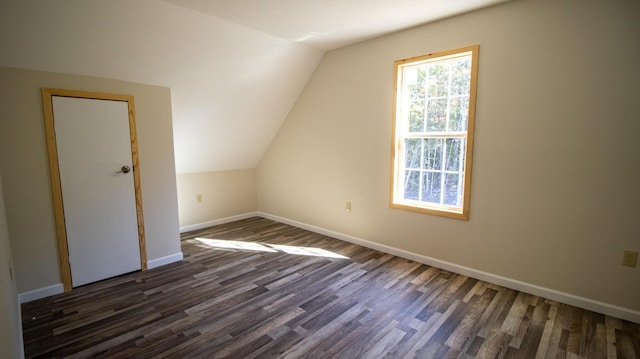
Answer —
41 293
586 303
59 288
158 262
215 222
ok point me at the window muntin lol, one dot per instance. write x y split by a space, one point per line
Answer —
433 132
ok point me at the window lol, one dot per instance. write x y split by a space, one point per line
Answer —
433 132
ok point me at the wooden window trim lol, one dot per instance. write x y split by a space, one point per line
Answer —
396 145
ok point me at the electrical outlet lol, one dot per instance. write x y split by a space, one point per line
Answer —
630 258
347 207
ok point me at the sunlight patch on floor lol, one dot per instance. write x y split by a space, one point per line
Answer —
306 251
220 243
266 247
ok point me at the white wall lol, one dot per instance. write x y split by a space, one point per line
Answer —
23 162
223 194
10 324
556 166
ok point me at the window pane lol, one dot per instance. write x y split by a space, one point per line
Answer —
414 79
458 113
412 185
453 189
431 186
416 116
438 80
460 76
437 115
412 152
410 75
455 154
432 153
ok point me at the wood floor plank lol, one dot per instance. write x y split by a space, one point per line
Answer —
256 288
547 333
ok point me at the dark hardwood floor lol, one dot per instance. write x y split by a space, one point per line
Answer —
261 289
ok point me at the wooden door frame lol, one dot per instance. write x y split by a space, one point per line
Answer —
54 171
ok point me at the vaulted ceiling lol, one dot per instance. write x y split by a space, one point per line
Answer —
235 68
329 24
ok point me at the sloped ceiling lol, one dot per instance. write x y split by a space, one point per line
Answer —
329 24
235 68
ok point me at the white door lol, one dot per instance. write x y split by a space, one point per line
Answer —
93 144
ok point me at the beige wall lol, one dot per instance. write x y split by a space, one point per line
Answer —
223 194
10 322
23 162
556 161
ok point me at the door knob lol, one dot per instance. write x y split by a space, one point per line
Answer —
124 169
